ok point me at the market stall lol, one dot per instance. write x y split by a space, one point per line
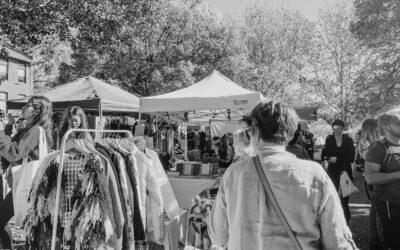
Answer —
89 93
106 106
214 97
215 101
216 104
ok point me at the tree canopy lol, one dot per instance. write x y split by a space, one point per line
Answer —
346 61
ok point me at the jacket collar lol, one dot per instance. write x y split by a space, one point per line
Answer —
270 148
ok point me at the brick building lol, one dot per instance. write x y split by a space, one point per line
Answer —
16 79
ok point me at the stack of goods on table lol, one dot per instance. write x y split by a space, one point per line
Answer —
113 196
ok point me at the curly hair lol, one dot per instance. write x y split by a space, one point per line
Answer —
275 121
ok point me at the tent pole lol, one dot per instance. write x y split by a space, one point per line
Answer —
140 116
100 110
186 143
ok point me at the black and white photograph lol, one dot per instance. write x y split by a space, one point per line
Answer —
199 124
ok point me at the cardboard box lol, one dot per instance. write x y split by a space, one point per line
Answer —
206 169
189 168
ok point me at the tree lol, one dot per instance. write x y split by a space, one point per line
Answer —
377 23
145 46
276 42
48 56
377 26
168 45
337 61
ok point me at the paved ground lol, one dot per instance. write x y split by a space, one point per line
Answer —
359 206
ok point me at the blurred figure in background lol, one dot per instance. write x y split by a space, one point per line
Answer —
340 153
294 146
241 145
308 142
226 151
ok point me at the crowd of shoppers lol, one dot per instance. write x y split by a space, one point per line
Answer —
273 195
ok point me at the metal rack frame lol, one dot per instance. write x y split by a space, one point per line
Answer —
98 134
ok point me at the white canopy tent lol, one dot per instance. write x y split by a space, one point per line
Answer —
214 98
212 94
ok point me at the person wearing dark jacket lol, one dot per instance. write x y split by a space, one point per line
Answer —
340 152
295 148
308 142
25 144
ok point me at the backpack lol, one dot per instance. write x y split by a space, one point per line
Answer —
388 154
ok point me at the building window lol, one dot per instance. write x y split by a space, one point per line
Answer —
3 69
21 73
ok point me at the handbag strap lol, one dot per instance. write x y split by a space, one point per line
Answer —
42 144
269 195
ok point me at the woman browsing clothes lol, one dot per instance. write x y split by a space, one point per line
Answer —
340 152
25 143
73 118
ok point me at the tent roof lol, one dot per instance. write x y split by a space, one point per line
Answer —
88 92
213 92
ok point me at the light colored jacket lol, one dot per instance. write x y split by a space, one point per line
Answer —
241 219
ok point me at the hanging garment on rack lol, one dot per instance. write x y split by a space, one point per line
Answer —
130 165
37 223
156 217
120 177
116 197
93 219
170 204
151 196
127 194
110 187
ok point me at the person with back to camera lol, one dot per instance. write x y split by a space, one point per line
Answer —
244 215
73 118
340 151
37 112
382 169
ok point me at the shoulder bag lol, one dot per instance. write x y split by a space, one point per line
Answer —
269 195
22 180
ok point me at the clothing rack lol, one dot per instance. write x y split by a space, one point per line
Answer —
72 167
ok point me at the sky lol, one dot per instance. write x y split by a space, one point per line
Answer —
309 8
